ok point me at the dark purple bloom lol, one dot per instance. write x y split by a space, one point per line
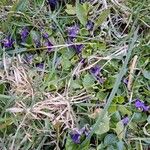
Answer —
146 108
78 48
8 42
140 105
95 70
73 31
40 65
90 25
125 120
52 3
85 131
24 33
45 35
49 45
76 134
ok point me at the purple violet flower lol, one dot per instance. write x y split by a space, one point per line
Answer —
76 134
53 3
140 105
95 70
49 45
125 120
146 108
24 33
45 35
77 47
40 65
73 31
90 25
8 42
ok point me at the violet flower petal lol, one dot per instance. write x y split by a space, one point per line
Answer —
52 3
146 108
24 33
78 48
95 70
8 42
139 104
90 25
75 136
40 65
45 35
49 45
73 31
125 120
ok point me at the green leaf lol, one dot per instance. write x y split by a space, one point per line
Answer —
139 117
19 5
70 145
103 126
124 110
118 99
148 119
76 84
65 63
101 95
120 130
110 139
88 81
120 145
81 13
116 117
109 83
70 9
2 88
112 108
146 74
101 18
101 147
